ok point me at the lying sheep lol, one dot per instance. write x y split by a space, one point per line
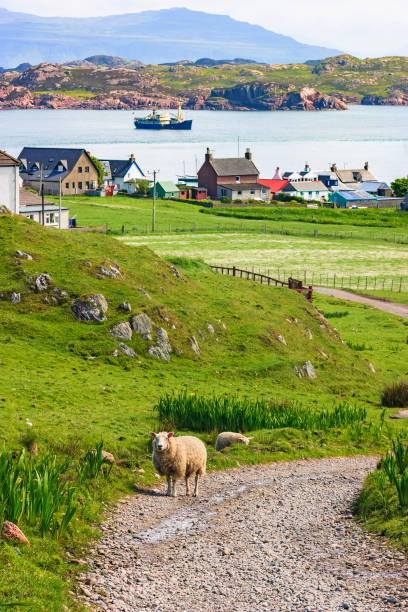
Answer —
178 458
227 438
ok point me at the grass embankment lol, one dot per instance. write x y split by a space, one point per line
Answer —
59 374
72 93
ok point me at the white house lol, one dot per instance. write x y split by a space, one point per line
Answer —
49 216
9 182
121 172
308 190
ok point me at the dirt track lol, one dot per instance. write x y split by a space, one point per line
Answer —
391 307
268 538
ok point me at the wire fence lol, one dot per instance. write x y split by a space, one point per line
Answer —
363 282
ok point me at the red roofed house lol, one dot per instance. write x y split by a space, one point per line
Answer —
275 184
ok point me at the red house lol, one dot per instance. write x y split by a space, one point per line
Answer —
226 171
275 185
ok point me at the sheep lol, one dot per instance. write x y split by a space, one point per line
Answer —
227 438
178 458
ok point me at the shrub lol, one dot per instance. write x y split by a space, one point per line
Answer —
237 201
395 395
231 413
225 200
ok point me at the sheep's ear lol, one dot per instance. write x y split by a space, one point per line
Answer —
170 434
153 434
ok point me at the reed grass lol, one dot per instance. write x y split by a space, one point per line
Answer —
231 413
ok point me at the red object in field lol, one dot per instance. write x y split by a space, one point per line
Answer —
109 189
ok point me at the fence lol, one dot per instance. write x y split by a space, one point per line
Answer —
264 279
363 282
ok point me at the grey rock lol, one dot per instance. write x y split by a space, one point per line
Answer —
309 369
115 353
194 345
176 272
142 324
108 273
92 308
64 295
281 339
210 328
309 333
125 306
24 255
54 299
298 371
127 350
42 281
46 300
372 368
163 341
15 297
144 293
88 264
122 331
156 351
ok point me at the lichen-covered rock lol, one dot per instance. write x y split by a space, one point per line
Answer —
194 345
15 297
210 328
298 371
127 350
111 272
42 281
309 369
142 324
163 341
108 457
372 368
144 293
125 306
122 331
309 333
11 532
23 255
156 351
281 339
91 308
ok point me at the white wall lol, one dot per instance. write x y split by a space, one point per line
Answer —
9 188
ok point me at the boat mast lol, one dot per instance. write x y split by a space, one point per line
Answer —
179 114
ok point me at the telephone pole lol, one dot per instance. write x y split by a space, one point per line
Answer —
154 200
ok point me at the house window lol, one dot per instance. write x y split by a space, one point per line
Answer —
239 192
87 185
86 168
237 179
51 218
60 168
66 185
252 191
73 185
80 185
79 169
31 216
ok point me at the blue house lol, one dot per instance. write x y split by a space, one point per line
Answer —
352 198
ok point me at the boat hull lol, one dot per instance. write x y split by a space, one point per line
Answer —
140 124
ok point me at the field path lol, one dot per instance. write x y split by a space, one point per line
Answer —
392 307
268 538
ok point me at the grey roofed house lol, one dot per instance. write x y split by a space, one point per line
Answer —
31 207
55 162
354 175
230 166
117 168
7 160
305 186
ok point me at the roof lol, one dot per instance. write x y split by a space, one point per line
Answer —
167 185
117 168
274 185
28 198
373 186
230 166
7 160
49 157
355 195
350 176
306 186
48 208
240 186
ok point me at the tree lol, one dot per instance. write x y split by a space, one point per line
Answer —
142 186
400 187
99 167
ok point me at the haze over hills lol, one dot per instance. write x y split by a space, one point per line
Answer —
148 36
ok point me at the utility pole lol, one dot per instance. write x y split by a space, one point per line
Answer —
59 207
42 195
154 200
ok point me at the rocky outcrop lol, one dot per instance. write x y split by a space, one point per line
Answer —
397 99
92 308
163 348
142 324
122 331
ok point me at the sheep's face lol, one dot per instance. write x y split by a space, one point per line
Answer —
161 440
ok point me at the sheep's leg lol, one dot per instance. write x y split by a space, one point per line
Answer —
187 486
174 493
195 494
168 492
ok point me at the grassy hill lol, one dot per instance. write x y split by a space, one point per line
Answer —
60 375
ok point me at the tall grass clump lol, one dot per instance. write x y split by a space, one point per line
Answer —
231 413
395 395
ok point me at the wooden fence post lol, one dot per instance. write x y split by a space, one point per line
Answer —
233 271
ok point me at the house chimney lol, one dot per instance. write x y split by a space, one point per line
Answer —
307 168
278 175
366 166
333 168
208 155
248 153
132 157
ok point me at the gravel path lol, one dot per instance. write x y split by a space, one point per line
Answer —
262 538
392 307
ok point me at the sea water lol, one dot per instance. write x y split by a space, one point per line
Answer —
288 139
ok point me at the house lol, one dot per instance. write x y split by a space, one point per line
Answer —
352 198
31 208
165 190
244 191
352 179
308 190
275 185
120 173
329 179
377 188
9 182
73 169
228 171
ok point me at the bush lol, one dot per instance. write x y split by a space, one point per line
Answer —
237 201
225 200
395 395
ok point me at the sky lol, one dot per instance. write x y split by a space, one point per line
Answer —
366 28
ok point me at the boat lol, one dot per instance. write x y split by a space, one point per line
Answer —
163 121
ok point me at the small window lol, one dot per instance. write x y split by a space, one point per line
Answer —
31 216
80 169
237 179
73 185
80 185
87 184
50 218
239 192
66 185
86 168
252 191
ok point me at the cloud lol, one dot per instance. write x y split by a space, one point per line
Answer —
362 27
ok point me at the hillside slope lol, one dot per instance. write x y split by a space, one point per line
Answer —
149 36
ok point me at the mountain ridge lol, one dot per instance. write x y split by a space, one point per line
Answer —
168 34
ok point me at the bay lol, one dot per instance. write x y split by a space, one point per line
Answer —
288 139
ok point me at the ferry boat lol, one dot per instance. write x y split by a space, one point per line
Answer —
163 121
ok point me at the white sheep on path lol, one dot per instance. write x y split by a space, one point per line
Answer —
227 438
178 458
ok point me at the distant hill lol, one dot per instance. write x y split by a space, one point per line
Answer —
148 36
